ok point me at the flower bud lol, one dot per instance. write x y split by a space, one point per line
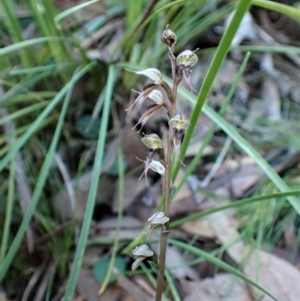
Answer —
152 141
169 37
186 59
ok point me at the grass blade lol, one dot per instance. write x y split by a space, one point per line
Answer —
81 245
241 203
71 11
284 9
191 167
222 50
253 153
43 176
8 209
35 125
17 46
120 216
246 147
219 263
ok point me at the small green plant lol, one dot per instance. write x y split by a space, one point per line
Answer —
159 159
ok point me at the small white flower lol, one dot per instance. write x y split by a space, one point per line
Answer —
157 96
152 73
137 263
140 99
157 167
158 218
142 251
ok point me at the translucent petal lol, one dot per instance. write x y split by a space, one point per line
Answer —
142 250
152 73
157 96
158 218
157 167
136 263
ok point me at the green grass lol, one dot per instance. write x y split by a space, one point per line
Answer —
39 76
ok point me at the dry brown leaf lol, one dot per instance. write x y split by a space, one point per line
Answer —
275 275
270 94
244 179
87 285
194 147
236 176
133 188
64 205
207 227
132 147
177 265
143 282
197 295
91 256
127 222
184 192
89 12
224 228
187 200
109 237
2 295
240 174
200 227
221 287
133 289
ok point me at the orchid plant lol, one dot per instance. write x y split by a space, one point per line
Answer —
159 159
